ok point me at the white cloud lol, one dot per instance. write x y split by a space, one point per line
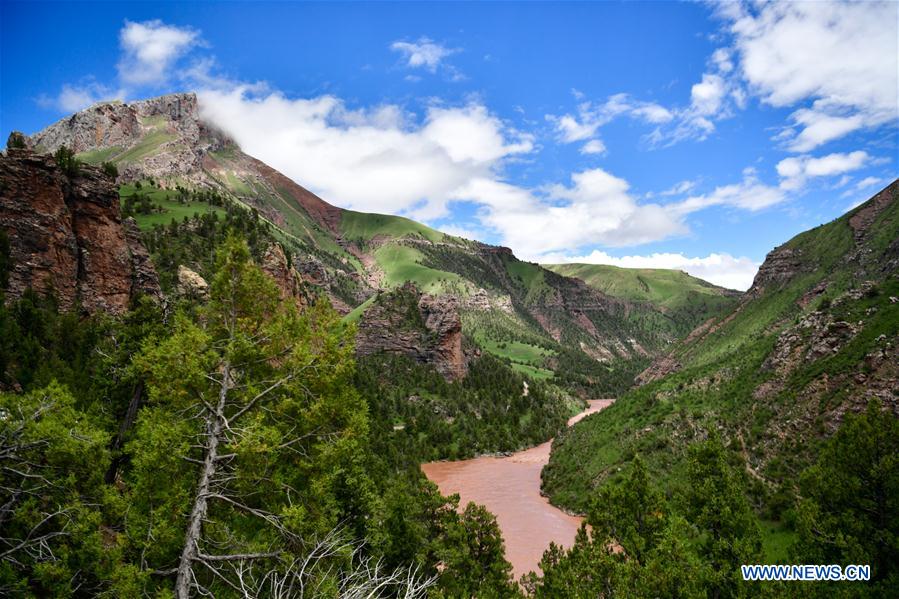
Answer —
869 182
722 60
461 231
842 56
711 99
595 208
680 188
72 98
594 146
721 269
590 117
796 170
374 159
706 97
150 48
818 128
424 53
750 194
570 129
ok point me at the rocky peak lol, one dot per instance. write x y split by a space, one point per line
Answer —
166 138
118 124
67 236
156 138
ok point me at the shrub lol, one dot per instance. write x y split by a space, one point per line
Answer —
65 159
16 140
111 170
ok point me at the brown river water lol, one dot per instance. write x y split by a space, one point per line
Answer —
510 488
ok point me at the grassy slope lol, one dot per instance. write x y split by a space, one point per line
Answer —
172 209
777 432
361 226
296 221
401 263
683 301
663 287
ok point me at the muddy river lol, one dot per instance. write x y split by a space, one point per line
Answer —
510 488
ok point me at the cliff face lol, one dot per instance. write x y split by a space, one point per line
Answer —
67 237
426 328
288 280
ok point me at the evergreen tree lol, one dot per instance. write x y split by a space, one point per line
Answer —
473 558
716 504
849 513
257 432
631 514
52 460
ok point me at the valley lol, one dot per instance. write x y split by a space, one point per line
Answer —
410 397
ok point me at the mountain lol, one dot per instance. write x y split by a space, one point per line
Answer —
543 323
685 300
815 337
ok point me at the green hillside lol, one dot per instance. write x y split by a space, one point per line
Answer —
816 336
686 300
362 226
663 287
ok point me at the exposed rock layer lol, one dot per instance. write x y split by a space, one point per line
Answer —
289 282
67 236
423 327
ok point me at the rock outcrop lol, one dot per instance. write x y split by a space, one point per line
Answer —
67 237
144 278
781 265
191 284
423 327
165 133
289 282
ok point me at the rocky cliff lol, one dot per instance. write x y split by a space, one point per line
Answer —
423 327
67 236
288 280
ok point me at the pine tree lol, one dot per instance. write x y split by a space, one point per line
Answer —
255 429
716 504
850 508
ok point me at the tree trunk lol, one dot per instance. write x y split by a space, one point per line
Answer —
124 427
214 424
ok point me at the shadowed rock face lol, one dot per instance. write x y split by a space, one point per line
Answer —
67 237
426 328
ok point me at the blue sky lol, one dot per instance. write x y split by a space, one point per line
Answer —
681 135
